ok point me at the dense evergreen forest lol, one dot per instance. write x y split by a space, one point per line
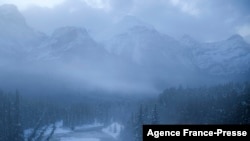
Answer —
221 104
19 112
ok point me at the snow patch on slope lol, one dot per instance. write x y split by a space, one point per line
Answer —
113 130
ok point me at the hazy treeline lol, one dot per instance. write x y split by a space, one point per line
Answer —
40 113
221 104
10 118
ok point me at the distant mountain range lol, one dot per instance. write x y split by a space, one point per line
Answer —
137 54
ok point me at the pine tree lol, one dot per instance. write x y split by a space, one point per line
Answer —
155 116
9 127
18 133
138 125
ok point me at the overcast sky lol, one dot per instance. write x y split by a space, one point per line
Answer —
206 20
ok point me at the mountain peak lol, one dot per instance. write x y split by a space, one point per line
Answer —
70 37
8 8
71 32
187 38
236 37
10 14
131 21
140 29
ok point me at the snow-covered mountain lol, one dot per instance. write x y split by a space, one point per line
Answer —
228 57
18 41
161 58
145 46
148 46
15 35
136 57
119 26
69 43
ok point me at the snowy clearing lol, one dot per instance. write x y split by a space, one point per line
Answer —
79 139
90 132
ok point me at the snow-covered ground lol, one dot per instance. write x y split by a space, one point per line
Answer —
79 139
114 129
90 132
88 126
59 130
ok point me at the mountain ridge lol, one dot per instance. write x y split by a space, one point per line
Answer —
140 56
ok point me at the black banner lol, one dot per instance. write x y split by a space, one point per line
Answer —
163 132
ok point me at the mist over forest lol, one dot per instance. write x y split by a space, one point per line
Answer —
99 81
